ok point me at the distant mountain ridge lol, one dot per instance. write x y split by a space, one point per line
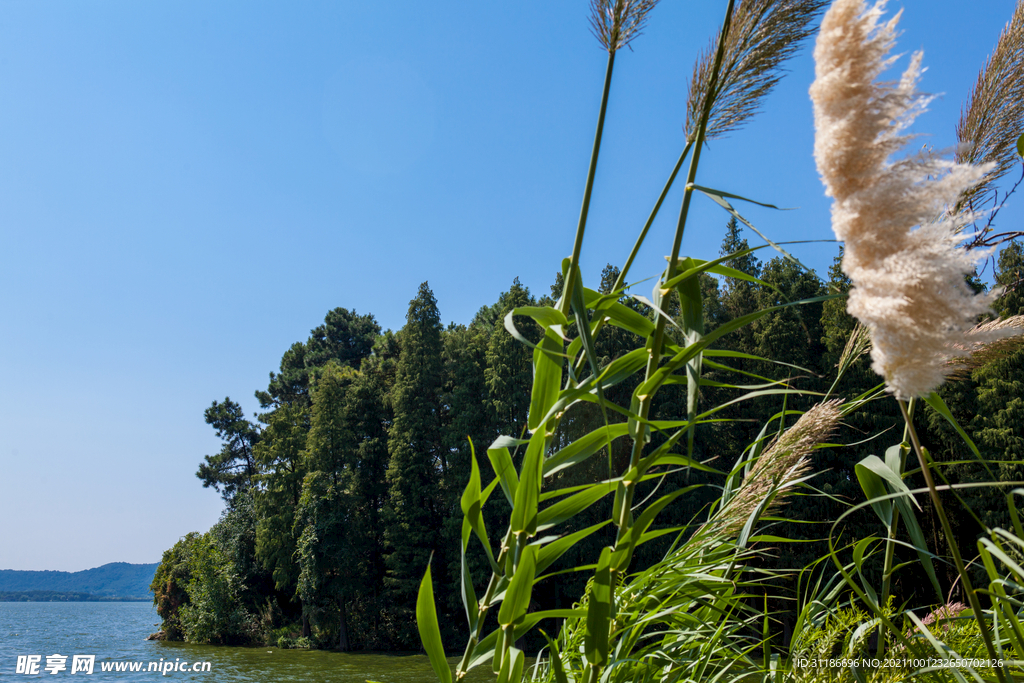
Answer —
114 580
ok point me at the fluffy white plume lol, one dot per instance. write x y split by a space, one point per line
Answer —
902 245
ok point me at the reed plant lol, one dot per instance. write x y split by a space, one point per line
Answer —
701 612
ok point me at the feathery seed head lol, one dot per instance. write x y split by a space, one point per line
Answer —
783 462
902 247
993 118
617 22
762 35
984 344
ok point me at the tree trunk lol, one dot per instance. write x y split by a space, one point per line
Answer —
342 628
305 625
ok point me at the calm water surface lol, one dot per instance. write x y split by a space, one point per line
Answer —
116 632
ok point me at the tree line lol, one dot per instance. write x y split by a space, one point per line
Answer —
349 482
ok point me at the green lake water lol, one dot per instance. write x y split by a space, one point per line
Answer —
115 633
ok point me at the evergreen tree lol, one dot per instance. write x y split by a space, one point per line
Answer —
326 551
735 298
291 384
417 462
282 469
467 414
231 471
791 335
345 337
369 416
739 297
325 522
836 323
999 426
509 372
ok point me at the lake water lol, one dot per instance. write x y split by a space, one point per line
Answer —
115 633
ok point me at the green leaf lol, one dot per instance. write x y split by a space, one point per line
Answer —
512 667
719 193
550 552
527 498
699 266
878 479
472 503
469 600
692 306
1020 146
430 632
624 548
599 612
618 370
719 198
547 377
871 474
584 447
555 660
545 316
619 315
936 403
684 356
517 597
505 471
573 505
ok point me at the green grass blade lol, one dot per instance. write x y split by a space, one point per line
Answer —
547 378
527 498
599 613
430 632
517 597
504 470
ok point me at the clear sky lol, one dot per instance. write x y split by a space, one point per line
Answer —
187 187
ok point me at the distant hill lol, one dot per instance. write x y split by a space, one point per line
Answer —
54 596
114 580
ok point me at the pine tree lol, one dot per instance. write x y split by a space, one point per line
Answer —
233 469
836 323
467 415
999 427
282 469
329 539
509 372
345 337
369 416
739 297
417 461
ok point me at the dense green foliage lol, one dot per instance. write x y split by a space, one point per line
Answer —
351 480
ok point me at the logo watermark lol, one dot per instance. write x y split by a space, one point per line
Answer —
35 665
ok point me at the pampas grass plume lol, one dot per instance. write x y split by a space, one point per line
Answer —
902 245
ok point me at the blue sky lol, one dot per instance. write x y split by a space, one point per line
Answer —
186 188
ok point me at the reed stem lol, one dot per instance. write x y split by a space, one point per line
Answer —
659 331
954 549
566 300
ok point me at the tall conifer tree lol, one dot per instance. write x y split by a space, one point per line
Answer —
417 461
509 372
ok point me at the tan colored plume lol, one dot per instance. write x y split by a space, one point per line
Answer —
616 22
902 246
993 117
785 460
762 35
